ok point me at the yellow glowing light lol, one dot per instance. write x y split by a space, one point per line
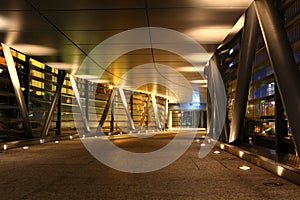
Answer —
244 167
217 152
280 170
111 87
222 146
4 147
71 137
241 154
203 145
42 141
56 142
25 147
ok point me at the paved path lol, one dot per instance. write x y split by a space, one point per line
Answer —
67 171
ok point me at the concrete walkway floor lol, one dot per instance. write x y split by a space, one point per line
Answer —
66 170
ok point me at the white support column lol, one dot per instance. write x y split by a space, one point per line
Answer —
77 96
155 110
124 102
146 107
17 88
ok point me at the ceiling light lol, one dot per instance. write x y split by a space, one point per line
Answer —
190 69
110 86
61 65
34 50
199 81
211 35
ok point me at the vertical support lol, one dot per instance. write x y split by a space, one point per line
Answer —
106 109
131 105
166 114
144 113
17 88
60 80
124 102
77 96
86 95
58 123
155 110
226 127
170 125
247 54
27 83
112 119
280 127
285 68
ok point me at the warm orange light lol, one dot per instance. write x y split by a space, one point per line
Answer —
111 87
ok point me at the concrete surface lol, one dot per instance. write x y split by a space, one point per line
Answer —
67 171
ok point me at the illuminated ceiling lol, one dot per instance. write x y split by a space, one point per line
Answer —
63 32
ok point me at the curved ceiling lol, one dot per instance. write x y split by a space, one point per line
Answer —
62 33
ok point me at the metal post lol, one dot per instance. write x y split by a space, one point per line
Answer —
86 94
112 119
27 83
17 88
58 123
285 69
226 127
124 102
280 127
106 109
60 80
144 113
77 96
247 54
155 110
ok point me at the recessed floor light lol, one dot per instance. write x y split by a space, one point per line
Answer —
25 147
4 147
244 167
217 152
56 142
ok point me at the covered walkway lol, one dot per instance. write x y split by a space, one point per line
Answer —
65 170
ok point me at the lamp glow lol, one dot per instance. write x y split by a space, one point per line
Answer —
71 137
25 147
56 142
217 152
244 167
4 147
222 146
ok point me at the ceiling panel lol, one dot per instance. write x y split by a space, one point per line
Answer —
97 19
87 4
183 18
223 4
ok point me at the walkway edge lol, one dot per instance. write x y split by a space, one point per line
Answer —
279 169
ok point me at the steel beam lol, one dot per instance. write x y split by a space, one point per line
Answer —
285 68
17 88
247 55
106 109
60 80
226 127
155 110
144 113
124 102
77 96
